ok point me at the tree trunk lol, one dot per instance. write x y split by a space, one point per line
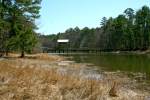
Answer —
6 53
22 54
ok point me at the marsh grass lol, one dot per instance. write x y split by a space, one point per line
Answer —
38 83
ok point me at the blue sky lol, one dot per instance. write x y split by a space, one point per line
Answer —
59 15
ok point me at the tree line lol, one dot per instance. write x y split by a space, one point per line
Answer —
129 31
17 25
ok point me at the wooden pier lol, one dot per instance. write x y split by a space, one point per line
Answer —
48 50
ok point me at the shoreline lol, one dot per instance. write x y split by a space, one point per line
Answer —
44 77
138 52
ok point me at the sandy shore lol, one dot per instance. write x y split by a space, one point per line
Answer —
51 77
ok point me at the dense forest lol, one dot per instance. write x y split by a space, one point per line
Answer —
129 31
17 25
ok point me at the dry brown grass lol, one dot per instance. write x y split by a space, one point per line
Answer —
38 83
40 56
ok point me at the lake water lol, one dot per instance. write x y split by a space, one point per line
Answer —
128 63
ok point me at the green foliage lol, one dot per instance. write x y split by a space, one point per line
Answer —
128 31
17 24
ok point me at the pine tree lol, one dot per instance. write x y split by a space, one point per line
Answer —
23 14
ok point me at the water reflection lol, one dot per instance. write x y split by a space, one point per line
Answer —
117 62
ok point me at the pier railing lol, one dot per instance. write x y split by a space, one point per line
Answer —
72 50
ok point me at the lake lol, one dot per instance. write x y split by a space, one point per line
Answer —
134 64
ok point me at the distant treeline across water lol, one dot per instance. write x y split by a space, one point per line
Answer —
129 31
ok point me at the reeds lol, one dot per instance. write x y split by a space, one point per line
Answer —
38 83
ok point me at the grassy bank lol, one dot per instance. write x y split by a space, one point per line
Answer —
44 77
